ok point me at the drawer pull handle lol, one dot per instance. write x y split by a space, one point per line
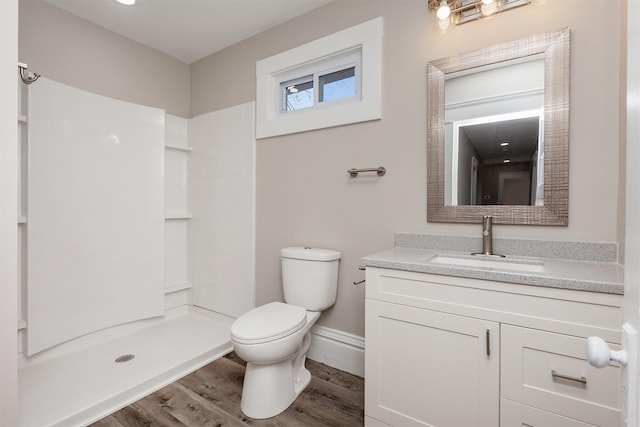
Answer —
581 380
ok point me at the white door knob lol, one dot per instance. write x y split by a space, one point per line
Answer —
599 354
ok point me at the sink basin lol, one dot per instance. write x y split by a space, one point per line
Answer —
486 262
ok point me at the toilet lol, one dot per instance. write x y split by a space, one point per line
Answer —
274 338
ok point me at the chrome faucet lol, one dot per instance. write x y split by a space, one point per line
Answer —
487 237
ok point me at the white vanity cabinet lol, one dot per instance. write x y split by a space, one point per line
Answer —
448 351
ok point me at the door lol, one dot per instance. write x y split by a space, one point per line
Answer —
473 197
631 304
427 368
514 188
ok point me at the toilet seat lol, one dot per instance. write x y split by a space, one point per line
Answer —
268 323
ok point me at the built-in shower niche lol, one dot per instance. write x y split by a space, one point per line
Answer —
177 162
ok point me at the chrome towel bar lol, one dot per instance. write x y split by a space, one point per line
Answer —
354 172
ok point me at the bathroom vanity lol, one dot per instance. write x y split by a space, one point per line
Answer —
454 341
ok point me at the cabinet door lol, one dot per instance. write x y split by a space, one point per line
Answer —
427 368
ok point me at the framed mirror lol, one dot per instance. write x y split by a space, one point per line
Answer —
498 133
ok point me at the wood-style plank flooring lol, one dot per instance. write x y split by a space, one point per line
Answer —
210 396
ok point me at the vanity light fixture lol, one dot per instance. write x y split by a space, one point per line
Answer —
455 12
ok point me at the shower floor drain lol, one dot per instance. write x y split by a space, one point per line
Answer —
124 358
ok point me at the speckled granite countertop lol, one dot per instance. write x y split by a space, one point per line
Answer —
568 265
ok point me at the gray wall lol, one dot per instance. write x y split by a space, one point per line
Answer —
76 52
304 195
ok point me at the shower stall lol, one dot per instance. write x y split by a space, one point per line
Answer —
136 247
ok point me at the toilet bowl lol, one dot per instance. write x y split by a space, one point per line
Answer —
275 373
274 338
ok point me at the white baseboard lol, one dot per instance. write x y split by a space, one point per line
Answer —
337 349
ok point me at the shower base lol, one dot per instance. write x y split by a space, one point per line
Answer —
79 382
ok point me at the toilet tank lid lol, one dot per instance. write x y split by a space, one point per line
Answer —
313 254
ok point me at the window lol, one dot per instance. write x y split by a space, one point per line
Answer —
329 82
297 94
337 85
334 79
301 93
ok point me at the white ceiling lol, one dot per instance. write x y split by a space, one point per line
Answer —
188 30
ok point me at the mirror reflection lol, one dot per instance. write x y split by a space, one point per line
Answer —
494 134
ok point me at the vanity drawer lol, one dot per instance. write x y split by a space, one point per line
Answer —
514 414
549 371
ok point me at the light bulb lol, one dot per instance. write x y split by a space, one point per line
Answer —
126 2
488 9
444 25
443 10
487 1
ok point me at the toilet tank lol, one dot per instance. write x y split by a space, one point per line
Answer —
310 277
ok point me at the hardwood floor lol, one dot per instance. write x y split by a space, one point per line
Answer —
210 396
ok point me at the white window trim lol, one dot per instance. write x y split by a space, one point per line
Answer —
366 37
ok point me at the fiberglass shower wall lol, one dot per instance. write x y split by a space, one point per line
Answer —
95 239
223 203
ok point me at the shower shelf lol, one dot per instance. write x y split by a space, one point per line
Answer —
22 118
22 324
177 287
177 147
178 215
22 220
